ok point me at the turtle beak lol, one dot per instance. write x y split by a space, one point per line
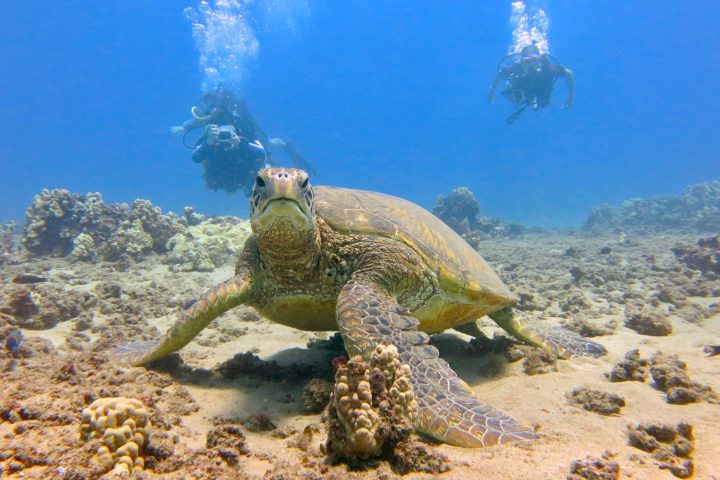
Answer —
281 193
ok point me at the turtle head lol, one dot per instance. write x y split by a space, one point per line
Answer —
281 204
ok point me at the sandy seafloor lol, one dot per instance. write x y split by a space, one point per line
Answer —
48 386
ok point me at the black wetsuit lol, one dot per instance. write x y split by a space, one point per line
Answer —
230 166
531 83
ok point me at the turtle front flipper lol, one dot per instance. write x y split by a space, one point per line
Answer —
560 341
448 411
189 323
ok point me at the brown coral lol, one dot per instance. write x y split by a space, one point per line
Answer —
371 404
122 424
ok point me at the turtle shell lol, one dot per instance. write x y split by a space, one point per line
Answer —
463 273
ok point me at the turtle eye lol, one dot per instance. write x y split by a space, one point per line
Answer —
259 181
305 182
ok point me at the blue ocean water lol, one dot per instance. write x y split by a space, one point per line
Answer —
388 96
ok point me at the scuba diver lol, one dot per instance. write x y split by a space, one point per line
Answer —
232 147
531 77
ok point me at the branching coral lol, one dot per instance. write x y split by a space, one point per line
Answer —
122 425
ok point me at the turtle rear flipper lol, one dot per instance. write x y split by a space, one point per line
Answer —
134 352
560 341
190 322
448 411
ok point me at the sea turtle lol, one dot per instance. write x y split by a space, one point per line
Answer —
377 268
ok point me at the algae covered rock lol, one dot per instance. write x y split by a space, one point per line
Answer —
670 375
42 305
228 441
596 401
671 446
704 256
316 395
122 425
647 320
632 368
208 245
603 468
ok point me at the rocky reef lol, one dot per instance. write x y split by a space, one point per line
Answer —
59 223
461 211
697 209
83 227
596 286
